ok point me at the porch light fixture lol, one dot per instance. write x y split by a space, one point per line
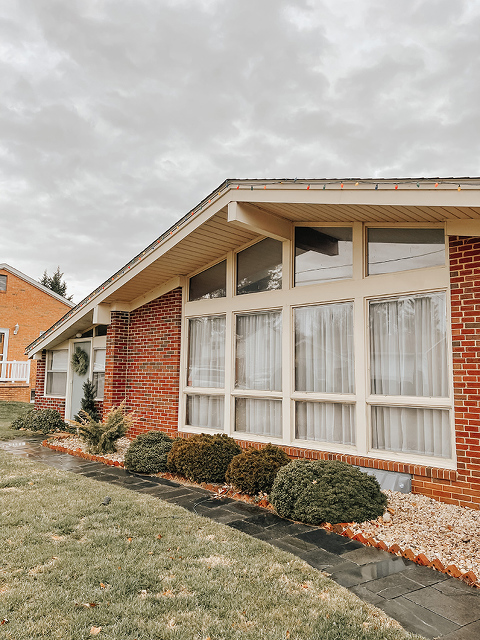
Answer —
15 329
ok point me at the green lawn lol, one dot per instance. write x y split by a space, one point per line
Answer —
141 568
8 412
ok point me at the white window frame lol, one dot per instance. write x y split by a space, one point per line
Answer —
47 371
360 289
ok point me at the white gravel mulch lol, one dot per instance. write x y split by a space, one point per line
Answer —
413 521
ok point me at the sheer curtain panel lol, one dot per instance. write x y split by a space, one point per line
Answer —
206 352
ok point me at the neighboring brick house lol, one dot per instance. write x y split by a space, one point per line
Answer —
26 309
337 319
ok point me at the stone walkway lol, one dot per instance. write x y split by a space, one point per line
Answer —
424 601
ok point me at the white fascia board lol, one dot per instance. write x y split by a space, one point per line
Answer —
463 228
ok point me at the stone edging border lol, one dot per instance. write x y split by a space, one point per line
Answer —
342 529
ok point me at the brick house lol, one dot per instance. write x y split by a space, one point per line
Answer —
337 319
26 309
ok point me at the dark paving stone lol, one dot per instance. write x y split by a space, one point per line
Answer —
367 572
460 609
182 498
453 587
416 619
246 527
300 546
367 596
325 561
393 586
424 575
330 541
468 632
366 555
220 515
244 508
105 477
267 520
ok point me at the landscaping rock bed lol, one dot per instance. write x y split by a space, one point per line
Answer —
443 536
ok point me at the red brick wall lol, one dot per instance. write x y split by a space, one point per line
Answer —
116 360
153 373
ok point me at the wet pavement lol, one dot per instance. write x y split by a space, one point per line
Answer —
423 600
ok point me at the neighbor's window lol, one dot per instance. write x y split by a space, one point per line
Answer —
57 362
211 283
206 369
322 254
99 372
394 249
259 267
3 283
409 357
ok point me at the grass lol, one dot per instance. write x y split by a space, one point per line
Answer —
8 412
141 568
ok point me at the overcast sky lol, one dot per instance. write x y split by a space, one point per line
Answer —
118 116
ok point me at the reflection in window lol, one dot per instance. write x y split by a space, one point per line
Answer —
205 411
210 283
322 254
3 283
393 249
259 268
260 416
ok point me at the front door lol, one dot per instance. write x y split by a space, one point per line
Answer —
79 380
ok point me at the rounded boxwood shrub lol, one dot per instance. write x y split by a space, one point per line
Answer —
148 452
203 457
254 470
42 420
326 491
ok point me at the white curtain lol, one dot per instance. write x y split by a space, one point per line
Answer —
325 422
259 351
205 411
324 360
57 372
408 346
260 416
412 430
206 352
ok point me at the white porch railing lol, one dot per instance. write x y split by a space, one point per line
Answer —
14 371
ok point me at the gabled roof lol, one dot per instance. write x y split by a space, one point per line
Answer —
35 283
239 211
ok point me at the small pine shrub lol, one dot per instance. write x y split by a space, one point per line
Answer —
148 452
326 491
87 403
102 436
41 420
254 471
203 457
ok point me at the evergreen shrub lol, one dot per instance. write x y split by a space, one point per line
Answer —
42 420
102 436
254 470
326 491
87 403
148 452
203 457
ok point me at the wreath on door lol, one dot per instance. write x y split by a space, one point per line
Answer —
80 361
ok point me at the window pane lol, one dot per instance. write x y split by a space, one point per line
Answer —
262 417
3 354
259 268
56 383
3 283
391 250
206 352
411 430
205 411
408 346
99 382
322 254
259 351
58 360
210 283
325 422
324 348
99 359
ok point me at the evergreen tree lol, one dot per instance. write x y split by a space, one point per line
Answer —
87 403
55 283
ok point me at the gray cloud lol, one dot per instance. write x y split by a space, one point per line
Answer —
117 116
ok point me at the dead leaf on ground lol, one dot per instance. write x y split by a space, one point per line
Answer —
94 631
